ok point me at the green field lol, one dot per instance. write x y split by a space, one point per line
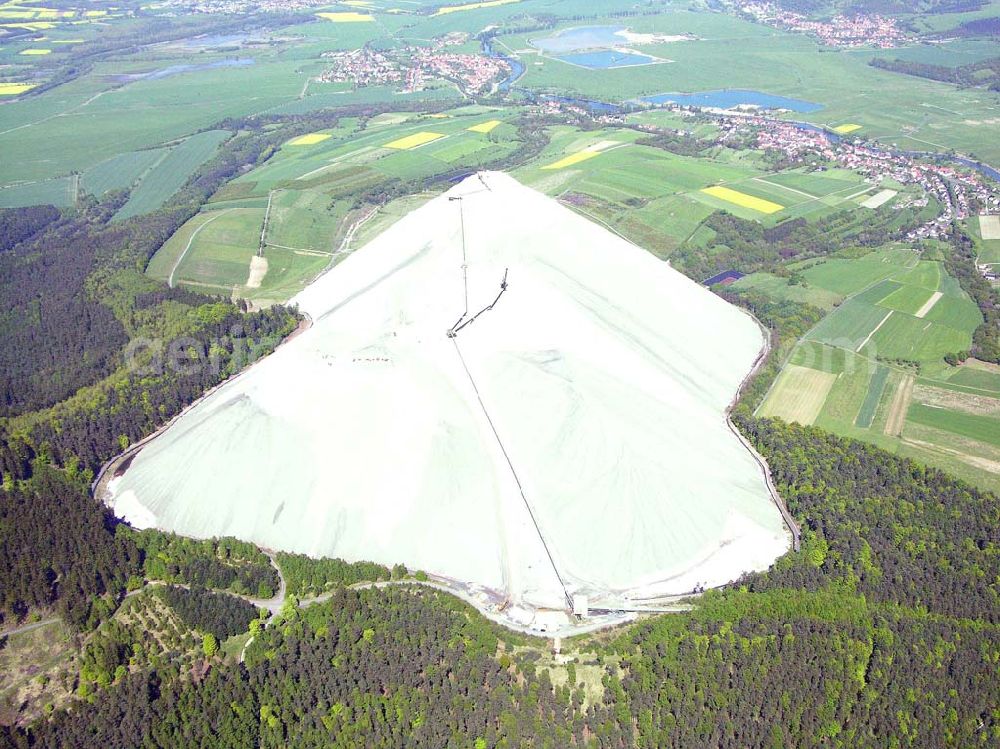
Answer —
313 191
908 299
218 258
978 379
779 288
60 192
849 276
987 249
798 394
170 173
876 387
886 289
302 220
121 171
654 197
906 337
864 342
980 428
849 326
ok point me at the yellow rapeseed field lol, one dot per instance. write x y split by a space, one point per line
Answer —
412 141
485 127
572 159
13 89
472 6
741 198
308 139
32 26
844 129
35 51
347 17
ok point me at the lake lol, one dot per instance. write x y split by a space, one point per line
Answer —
608 58
734 97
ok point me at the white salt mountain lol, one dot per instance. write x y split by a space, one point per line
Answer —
569 440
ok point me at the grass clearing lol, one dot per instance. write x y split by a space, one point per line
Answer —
779 288
303 220
971 376
36 667
742 199
971 460
798 394
162 263
989 227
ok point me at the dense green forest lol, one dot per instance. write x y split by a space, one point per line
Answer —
883 631
305 576
57 549
217 614
221 564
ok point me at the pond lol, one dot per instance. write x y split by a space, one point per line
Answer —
734 97
609 58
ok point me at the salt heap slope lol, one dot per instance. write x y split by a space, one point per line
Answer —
570 439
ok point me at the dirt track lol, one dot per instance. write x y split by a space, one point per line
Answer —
897 411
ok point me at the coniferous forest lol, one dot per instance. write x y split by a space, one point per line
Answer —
882 631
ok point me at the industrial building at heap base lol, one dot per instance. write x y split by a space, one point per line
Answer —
496 391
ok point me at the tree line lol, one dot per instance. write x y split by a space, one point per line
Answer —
750 246
983 73
960 262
